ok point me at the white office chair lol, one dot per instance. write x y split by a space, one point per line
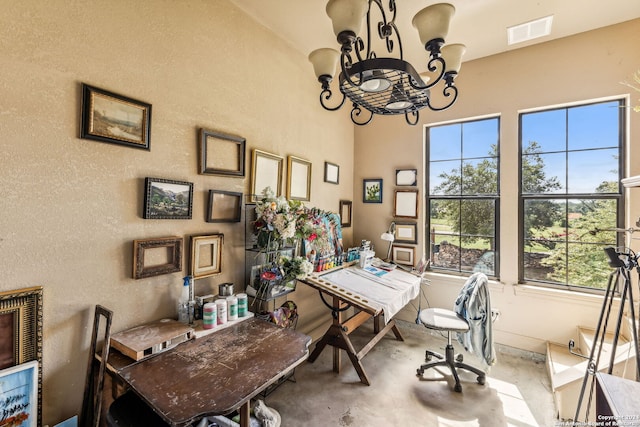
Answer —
449 321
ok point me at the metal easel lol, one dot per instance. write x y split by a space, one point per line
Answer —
624 262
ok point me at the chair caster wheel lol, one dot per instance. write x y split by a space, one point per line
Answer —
459 358
427 358
481 380
457 388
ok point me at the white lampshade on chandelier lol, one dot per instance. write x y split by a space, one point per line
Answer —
384 85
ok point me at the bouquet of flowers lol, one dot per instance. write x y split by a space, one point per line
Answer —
275 220
280 221
294 268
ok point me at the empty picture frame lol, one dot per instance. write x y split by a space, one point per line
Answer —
113 118
406 204
404 255
224 206
407 177
154 257
206 255
372 190
345 213
266 171
406 232
331 173
221 154
298 179
167 199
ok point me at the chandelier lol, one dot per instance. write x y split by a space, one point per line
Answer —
386 86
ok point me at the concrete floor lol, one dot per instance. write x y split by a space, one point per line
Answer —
517 390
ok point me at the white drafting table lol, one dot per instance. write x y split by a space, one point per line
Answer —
372 296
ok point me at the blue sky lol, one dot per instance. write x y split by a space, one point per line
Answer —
589 133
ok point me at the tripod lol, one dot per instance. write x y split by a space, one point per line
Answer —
623 262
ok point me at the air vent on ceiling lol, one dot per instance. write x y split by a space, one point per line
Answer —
529 30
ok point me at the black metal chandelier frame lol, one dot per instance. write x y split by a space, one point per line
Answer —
405 83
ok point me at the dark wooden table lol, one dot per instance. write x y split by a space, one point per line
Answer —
216 374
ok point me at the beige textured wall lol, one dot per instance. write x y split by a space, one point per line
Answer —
72 207
579 68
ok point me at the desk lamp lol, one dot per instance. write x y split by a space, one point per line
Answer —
389 236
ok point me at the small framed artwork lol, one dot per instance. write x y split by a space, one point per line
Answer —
221 154
406 204
331 173
345 213
266 171
19 394
154 257
167 199
113 118
408 177
404 255
406 232
206 255
298 179
224 206
372 190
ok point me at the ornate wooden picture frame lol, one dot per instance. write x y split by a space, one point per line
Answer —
21 325
167 199
154 257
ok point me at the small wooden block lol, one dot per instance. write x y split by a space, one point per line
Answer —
145 340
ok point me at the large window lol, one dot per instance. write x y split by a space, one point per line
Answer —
570 193
463 196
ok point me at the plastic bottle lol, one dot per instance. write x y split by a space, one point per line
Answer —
183 302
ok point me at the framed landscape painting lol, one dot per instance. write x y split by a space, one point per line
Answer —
113 118
167 199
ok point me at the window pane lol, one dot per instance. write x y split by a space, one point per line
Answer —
479 138
445 142
544 225
593 171
480 177
478 219
444 178
546 128
543 173
463 165
594 126
588 266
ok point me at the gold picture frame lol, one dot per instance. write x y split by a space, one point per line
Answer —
21 328
154 257
206 255
266 171
298 179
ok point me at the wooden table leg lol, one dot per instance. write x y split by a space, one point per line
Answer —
245 414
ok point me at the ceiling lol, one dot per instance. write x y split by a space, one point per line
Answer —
479 24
